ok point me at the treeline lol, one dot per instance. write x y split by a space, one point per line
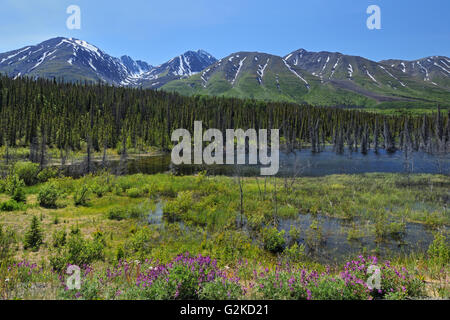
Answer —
44 113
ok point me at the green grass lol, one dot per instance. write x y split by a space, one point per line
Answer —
203 213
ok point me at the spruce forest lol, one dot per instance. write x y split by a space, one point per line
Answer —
42 114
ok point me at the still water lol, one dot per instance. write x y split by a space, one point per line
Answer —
325 239
298 163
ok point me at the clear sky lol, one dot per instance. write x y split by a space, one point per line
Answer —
157 30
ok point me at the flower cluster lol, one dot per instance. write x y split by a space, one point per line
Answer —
198 277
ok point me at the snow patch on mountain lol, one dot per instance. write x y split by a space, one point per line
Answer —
370 76
350 71
295 73
392 75
13 55
260 71
238 70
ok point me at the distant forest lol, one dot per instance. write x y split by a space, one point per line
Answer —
45 113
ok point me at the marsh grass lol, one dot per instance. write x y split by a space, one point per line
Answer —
201 214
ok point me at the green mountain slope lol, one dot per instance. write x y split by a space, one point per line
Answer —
321 78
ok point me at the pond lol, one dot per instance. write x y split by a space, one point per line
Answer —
326 239
297 163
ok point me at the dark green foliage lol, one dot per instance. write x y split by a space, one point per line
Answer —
48 195
27 171
11 205
33 237
59 239
273 240
439 250
14 187
68 116
78 251
117 213
81 195
19 195
47 174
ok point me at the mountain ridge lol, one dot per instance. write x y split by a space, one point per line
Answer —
319 78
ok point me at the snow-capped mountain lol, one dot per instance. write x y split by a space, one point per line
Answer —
396 74
183 66
321 78
74 60
71 59
435 69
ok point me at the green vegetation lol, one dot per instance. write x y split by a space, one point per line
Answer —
202 216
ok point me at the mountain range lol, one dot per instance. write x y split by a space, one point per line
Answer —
318 78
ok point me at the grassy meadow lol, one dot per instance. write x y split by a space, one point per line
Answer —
214 237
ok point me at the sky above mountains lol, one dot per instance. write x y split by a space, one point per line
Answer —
155 31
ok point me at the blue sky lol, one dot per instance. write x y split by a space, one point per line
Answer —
155 30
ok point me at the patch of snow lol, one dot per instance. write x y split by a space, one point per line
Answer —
13 55
442 61
91 65
425 70
260 71
295 73
238 70
350 71
88 47
404 67
44 56
392 76
326 63
290 55
334 67
441 67
370 76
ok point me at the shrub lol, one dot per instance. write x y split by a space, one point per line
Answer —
99 189
33 237
134 193
294 233
81 195
27 171
117 213
294 253
140 243
11 205
439 250
12 183
46 174
2 185
78 251
137 212
59 238
48 195
19 195
273 240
